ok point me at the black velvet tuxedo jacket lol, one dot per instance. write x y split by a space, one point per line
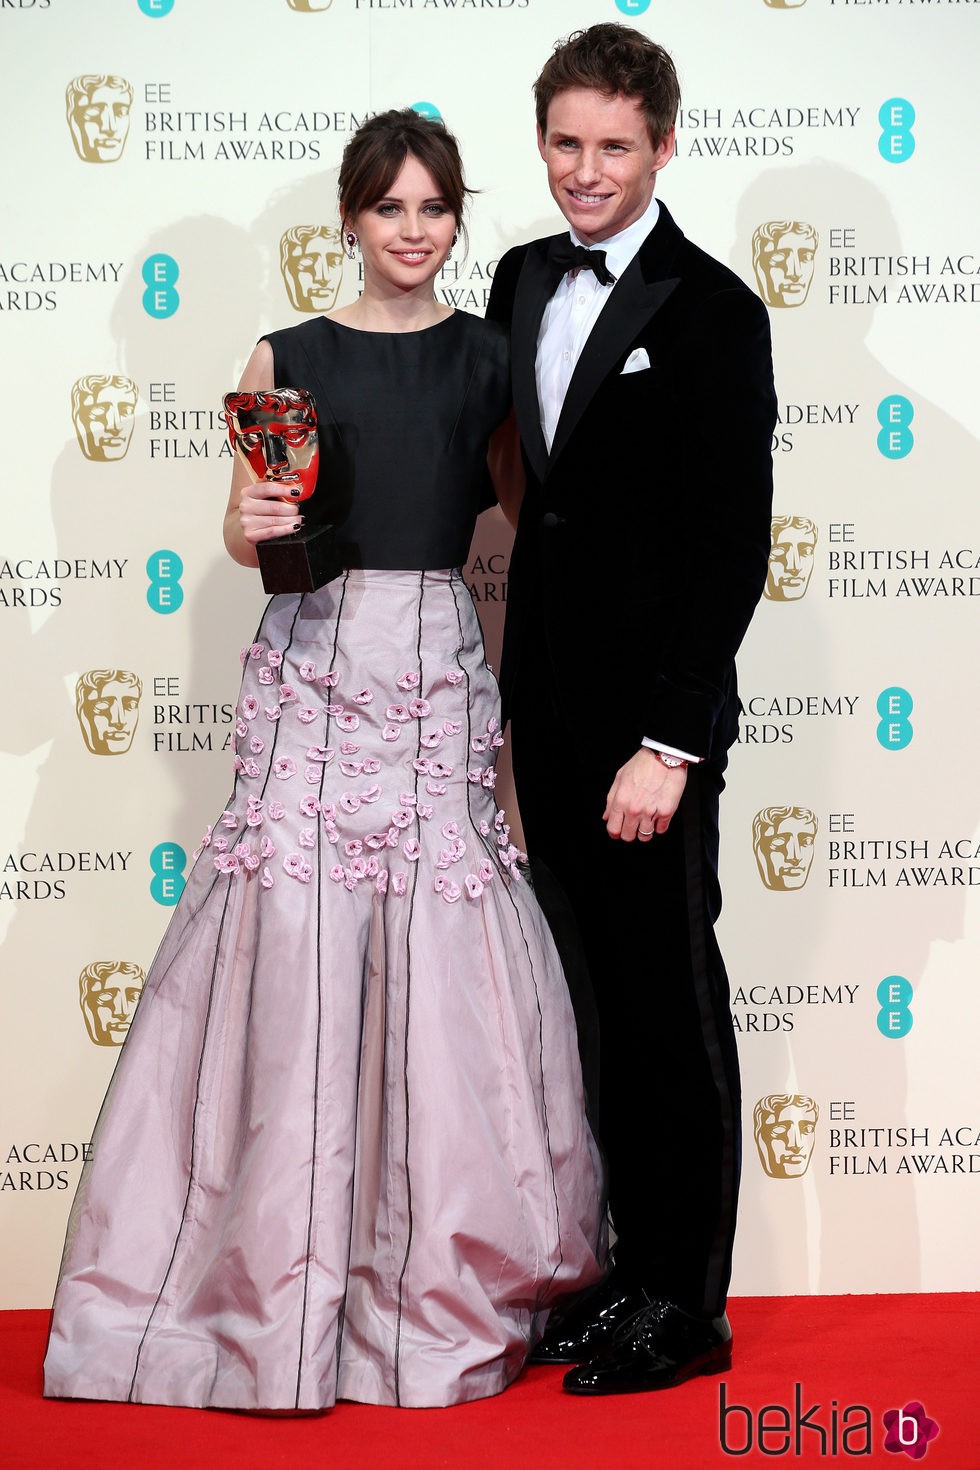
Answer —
643 538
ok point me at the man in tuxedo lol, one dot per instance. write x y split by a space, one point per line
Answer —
643 391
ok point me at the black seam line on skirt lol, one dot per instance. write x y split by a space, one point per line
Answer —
190 1174
537 999
319 1019
709 1028
408 1007
277 723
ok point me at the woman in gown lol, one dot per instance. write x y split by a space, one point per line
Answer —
344 1152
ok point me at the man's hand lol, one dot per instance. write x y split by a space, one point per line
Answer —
643 797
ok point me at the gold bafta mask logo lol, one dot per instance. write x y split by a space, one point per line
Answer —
785 4
311 258
783 252
783 838
107 703
308 6
792 543
98 110
785 1125
107 993
103 410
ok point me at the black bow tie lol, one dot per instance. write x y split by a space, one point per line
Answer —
564 256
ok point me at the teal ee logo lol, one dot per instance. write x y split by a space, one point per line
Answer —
167 863
427 109
632 7
155 8
894 997
895 438
894 727
896 143
164 569
160 274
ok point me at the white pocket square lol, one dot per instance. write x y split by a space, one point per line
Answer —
636 362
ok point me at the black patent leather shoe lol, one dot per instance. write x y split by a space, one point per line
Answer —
590 1323
658 1348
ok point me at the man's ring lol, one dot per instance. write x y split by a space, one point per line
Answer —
642 833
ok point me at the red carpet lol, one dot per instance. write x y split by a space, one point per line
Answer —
848 1353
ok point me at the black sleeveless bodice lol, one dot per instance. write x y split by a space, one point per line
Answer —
404 422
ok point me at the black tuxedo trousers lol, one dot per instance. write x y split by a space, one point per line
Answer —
655 1031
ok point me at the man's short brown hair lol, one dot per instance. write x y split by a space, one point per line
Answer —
616 61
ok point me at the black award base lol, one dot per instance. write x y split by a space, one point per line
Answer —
303 560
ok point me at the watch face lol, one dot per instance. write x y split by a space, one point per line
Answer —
671 760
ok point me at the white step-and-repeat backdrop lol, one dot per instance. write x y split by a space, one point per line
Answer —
169 193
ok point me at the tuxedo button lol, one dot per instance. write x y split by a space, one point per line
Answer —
550 520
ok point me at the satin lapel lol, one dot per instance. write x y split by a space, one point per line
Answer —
535 287
630 306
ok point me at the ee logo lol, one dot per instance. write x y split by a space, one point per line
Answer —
895 438
427 109
896 143
155 8
632 7
894 728
160 272
164 569
167 863
894 997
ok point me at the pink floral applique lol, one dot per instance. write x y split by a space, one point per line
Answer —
322 753
349 802
275 811
267 879
398 713
329 681
228 819
313 775
473 885
266 676
336 874
307 837
297 867
227 862
287 694
256 745
306 714
401 819
399 884
307 671
479 743
412 849
352 768
363 696
432 739
422 765
347 747
335 709
436 788
410 680
220 844
273 712
390 732
354 848
256 650
371 793
440 770
371 766
452 727
424 810
381 882
248 859
283 767
274 658
485 870
241 729
267 848
249 706
406 798
419 708
309 806
348 721
454 676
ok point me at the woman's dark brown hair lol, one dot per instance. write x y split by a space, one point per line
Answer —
374 156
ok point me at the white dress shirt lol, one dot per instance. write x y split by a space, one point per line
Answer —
568 319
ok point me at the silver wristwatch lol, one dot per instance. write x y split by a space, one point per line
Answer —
672 761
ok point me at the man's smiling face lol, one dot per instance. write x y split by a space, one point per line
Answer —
602 166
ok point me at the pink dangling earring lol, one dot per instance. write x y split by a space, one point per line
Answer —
452 247
351 239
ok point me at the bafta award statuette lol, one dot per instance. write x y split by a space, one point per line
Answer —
275 434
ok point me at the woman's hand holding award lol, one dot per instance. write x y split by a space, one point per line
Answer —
275 434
